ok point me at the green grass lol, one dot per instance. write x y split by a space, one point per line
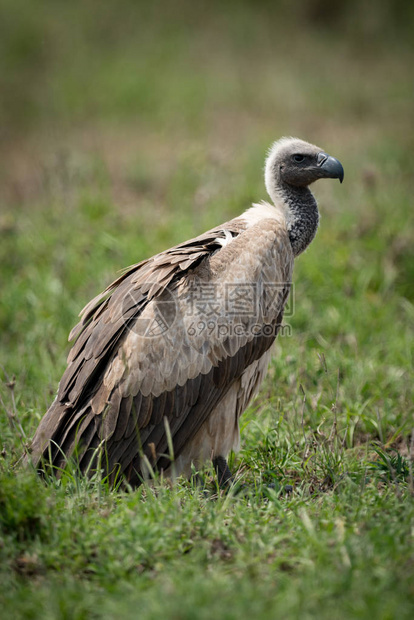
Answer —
127 129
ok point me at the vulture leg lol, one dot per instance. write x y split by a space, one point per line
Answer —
225 479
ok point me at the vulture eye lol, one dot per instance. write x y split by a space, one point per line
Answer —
298 158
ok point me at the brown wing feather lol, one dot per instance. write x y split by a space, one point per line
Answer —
103 396
118 301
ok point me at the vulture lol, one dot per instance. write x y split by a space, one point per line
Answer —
168 357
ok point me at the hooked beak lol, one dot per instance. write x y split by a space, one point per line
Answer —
330 167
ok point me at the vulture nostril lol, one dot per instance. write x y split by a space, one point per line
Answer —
322 157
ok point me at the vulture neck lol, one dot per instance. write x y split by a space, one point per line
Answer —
302 215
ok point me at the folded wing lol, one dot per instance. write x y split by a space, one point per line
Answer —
166 341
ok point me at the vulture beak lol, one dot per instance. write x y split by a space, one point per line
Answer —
331 167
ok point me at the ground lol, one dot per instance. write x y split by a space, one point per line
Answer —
127 129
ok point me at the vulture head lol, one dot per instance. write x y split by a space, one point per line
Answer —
291 166
293 163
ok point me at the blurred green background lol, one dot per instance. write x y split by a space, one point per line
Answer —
129 126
